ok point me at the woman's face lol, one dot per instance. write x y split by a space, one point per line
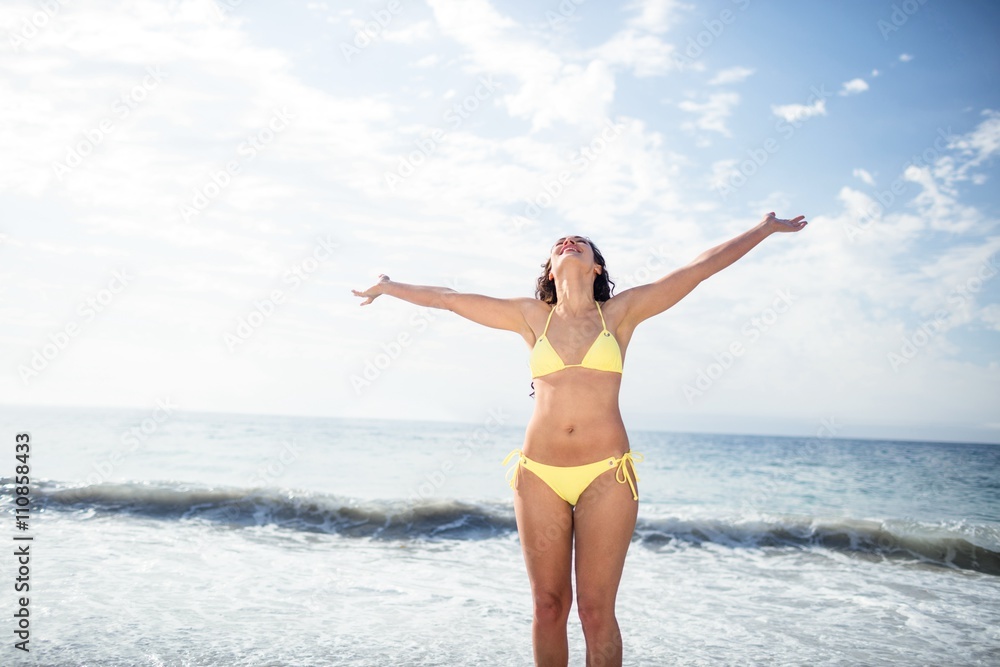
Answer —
572 248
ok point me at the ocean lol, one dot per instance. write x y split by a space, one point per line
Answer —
168 538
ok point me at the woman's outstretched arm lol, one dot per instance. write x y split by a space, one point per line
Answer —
645 301
508 314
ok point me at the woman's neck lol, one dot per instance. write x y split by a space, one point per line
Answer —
574 296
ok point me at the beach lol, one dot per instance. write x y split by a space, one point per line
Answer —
223 539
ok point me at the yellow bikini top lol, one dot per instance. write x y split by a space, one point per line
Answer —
603 355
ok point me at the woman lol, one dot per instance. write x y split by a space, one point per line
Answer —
576 435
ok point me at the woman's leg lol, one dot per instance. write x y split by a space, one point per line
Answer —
603 524
545 526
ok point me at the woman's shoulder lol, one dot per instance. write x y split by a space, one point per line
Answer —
536 305
614 309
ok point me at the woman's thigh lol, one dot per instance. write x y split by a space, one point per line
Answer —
545 526
603 525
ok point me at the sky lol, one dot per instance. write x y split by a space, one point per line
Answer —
192 189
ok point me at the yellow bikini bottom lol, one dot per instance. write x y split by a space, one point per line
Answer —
569 482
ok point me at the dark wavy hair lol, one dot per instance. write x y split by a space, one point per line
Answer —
604 287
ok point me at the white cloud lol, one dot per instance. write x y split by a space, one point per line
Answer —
551 89
577 94
645 54
990 316
796 112
731 75
637 45
713 113
939 204
853 87
653 16
980 145
415 32
963 155
722 172
952 281
864 176
774 201
427 61
905 57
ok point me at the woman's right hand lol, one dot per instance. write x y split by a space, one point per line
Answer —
373 291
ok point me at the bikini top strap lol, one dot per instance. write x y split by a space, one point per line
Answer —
602 316
546 329
603 324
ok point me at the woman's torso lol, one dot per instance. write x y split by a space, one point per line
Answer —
576 418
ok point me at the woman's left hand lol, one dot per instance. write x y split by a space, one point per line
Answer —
778 225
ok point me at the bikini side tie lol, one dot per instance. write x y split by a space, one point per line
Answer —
511 475
622 476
